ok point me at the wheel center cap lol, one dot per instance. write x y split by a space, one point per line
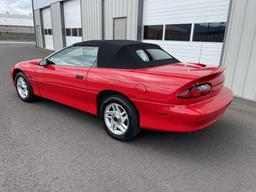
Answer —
117 118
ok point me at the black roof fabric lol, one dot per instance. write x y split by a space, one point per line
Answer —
122 54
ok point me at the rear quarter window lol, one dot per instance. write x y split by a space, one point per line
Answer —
148 55
158 54
143 55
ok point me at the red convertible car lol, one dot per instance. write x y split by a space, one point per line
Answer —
130 85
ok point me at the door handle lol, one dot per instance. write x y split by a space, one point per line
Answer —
78 76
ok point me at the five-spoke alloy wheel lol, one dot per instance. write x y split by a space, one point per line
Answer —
116 118
24 89
120 118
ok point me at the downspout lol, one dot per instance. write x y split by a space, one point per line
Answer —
140 20
33 12
102 20
226 32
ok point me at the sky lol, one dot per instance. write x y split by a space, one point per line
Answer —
22 7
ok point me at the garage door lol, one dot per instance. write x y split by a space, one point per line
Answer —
192 31
72 20
47 28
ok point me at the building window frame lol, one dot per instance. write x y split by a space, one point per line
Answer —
186 36
206 35
158 37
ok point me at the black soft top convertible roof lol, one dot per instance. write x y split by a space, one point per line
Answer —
122 54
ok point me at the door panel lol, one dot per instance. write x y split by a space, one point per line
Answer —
64 84
119 28
64 78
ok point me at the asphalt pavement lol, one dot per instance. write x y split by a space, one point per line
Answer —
46 146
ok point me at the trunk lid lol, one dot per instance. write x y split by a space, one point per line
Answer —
184 70
190 74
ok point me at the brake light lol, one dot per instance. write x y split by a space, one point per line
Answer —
196 91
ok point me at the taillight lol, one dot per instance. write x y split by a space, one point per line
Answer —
196 91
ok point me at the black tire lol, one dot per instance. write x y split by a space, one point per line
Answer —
30 96
133 128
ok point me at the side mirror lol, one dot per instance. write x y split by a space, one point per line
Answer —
43 62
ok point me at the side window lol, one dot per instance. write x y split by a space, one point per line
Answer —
49 31
178 32
68 32
209 32
80 32
158 54
143 55
74 32
148 55
154 32
79 56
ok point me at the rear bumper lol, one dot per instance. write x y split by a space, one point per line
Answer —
184 118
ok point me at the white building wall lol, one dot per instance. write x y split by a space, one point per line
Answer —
182 12
239 56
121 8
91 19
38 28
38 4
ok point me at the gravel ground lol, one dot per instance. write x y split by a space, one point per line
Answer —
46 146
